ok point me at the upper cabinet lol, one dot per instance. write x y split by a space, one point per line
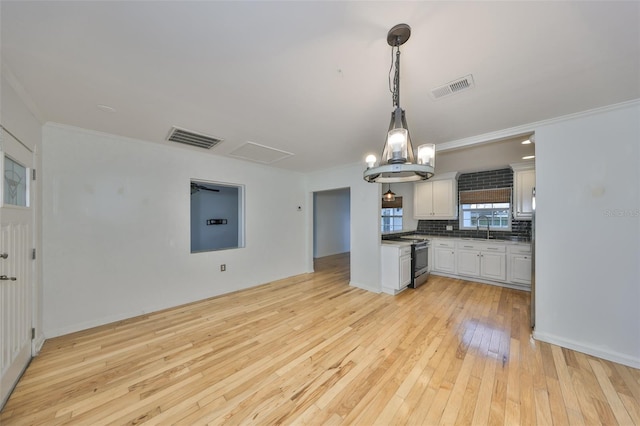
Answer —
524 180
436 198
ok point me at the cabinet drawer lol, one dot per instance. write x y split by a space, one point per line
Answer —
469 245
495 247
520 248
444 243
472 245
405 251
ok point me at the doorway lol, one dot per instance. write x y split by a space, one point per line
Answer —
331 226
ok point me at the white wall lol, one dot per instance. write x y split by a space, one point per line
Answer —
332 222
588 234
365 221
17 117
116 228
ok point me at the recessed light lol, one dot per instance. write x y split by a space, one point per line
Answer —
529 157
526 142
106 108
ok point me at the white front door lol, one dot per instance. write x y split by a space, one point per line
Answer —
16 266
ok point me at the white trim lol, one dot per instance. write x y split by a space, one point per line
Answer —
527 128
15 84
589 350
36 344
364 287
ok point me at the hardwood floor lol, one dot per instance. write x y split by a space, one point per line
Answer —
312 350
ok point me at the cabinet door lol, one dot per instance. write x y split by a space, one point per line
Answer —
443 203
469 263
405 271
525 181
444 260
423 200
493 266
520 269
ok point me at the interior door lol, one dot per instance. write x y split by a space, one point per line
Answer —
16 265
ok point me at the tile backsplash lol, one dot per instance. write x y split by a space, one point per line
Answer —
502 178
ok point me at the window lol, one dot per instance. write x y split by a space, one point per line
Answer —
15 183
392 215
487 207
391 219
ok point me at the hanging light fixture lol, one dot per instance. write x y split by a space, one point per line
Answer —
389 196
398 162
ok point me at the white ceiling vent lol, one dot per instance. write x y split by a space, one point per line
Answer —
259 153
189 137
452 87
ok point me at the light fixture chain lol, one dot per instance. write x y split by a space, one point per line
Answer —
396 80
395 69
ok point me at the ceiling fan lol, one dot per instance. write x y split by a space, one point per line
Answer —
196 187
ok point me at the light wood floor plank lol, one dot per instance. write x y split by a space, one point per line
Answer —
312 350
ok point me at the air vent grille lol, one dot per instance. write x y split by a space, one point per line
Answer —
463 83
189 137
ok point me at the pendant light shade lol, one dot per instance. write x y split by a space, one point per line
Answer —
398 162
389 196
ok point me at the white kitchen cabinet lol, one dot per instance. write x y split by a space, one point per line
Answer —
468 262
405 269
444 256
396 267
481 260
519 264
436 198
489 261
493 266
524 180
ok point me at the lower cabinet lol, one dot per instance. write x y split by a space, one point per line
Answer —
520 265
444 256
482 261
396 267
469 262
493 266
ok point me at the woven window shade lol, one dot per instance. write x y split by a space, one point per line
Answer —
501 195
395 204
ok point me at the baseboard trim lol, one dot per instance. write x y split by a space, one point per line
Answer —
364 287
589 350
36 344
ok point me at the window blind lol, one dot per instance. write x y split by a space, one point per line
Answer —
500 195
395 204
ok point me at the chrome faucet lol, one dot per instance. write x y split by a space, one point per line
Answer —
488 224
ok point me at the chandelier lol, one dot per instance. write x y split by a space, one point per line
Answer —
398 162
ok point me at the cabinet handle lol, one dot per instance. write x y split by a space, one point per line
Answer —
468 246
492 248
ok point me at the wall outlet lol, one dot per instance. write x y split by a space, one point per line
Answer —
449 227
223 267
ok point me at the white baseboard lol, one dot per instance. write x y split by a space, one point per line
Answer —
36 344
589 350
364 287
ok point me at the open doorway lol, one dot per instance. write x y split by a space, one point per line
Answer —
332 229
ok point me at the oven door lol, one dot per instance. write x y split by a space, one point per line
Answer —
420 263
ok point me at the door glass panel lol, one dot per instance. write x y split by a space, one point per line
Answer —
15 183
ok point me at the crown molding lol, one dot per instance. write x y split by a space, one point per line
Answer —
526 129
15 84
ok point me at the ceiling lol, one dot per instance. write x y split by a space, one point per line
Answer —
311 78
